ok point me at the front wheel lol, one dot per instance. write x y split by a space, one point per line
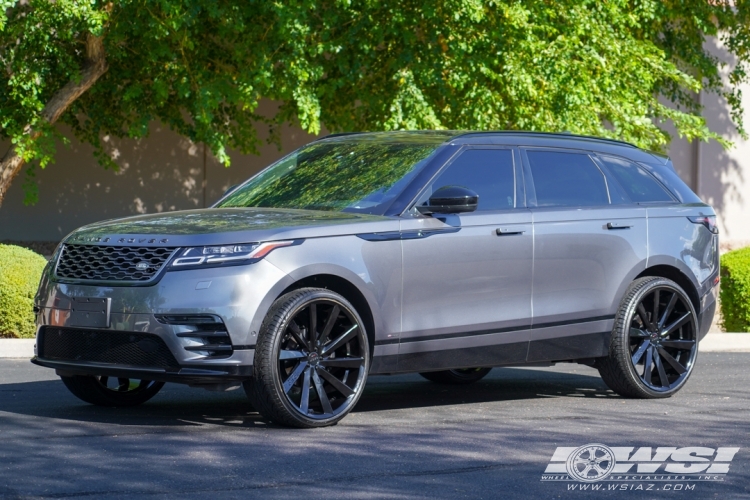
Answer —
112 391
311 360
457 377
654 342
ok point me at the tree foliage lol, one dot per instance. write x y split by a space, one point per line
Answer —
615 68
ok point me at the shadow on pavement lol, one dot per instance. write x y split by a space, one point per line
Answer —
183 406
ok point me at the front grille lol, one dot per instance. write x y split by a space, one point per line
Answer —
108 263
102 346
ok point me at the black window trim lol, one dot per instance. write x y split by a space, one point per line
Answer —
531 189
599 158
517 172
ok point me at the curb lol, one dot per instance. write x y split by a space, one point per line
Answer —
17 348
713 342
725 342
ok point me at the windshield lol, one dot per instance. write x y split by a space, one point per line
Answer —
355 176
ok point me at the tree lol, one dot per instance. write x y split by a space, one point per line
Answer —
109 68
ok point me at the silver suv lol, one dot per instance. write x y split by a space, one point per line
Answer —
441 253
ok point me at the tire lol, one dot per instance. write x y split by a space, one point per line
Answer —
457 377
654 342
307 376
111 391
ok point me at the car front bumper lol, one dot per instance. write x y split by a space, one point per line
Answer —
237 296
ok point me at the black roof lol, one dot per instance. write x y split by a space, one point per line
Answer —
508 137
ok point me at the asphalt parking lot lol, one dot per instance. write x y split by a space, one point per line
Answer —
407 438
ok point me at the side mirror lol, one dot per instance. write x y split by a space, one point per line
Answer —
450 200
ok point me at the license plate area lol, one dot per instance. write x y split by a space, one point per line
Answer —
90 312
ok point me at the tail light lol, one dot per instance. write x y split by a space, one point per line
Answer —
707 220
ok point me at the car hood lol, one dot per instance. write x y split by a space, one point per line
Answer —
214 226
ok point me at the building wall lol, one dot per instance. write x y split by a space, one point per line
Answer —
160 173
721 177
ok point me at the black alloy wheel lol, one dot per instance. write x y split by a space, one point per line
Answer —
311 360
460 376
655 341
112 391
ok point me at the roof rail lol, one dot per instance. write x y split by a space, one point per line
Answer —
562 135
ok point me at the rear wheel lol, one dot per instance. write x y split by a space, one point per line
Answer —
311 360
112 391
654 342
457 377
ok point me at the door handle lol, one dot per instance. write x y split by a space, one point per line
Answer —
504 231
618 225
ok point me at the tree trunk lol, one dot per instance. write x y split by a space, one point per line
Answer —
94 67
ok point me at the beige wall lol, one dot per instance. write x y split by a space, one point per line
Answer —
160 173
720 177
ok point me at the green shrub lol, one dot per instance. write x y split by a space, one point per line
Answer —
20 270
735 290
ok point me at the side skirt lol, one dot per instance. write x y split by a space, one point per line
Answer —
570 348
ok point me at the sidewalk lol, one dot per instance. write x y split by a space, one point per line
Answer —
714 342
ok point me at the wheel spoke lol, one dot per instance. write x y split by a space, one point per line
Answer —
289 382
662 373
637 332
329 324
668 310
343 362
297 334
644 316
313 324
676 324
638 354
685 345
336 383
647 365
288 354
345 337
304 403
673 362
324 401
655 315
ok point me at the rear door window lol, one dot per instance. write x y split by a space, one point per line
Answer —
563 179
639 185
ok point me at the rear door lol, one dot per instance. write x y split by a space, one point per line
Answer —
589 244
467 277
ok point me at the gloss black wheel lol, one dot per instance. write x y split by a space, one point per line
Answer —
311 360
112 391
458 376
654 342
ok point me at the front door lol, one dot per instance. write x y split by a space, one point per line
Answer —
467 277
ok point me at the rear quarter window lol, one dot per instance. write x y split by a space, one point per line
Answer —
639 185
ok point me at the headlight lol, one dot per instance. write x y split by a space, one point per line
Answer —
220 255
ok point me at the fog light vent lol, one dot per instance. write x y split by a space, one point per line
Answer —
203 334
